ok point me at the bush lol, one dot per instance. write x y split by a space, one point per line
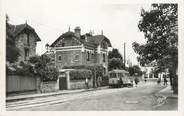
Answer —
80 74
22 69
42 68
51 74
98 69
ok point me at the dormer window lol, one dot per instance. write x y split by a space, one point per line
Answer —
104 45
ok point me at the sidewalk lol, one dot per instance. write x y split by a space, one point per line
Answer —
167 93
38 95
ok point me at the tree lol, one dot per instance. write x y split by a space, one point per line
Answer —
115 63
42 68
115 60
114 54
135 69
160 28
12 52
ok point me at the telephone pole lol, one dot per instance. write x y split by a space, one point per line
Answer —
124 54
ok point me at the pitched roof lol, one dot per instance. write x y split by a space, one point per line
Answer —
17 29
91 40
67 34
97 39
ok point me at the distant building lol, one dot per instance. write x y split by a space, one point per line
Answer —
25 39
72 48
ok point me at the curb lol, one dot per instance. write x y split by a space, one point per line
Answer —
158 94
54 94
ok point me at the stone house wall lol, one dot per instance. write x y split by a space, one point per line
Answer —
68 58
21 43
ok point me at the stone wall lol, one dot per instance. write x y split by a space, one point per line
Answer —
80 84
68 58
49 86
21 43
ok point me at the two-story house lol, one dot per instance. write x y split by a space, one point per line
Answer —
72 48
25 39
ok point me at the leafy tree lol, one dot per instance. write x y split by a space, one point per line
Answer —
115 60
160 28
42 68
114 54
135 69
115 63
12 52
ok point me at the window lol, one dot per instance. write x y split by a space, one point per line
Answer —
76 58
27 38
26 54
88 57
103 57
59 58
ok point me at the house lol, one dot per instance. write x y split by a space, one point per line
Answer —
72 48
25 40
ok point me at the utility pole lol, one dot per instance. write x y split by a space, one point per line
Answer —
124 54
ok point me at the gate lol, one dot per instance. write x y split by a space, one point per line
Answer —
62 81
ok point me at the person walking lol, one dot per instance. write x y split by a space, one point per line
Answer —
87 83
165 79
159 80
136 81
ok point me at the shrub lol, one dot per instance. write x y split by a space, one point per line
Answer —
98 69
80 74
22 69
42 68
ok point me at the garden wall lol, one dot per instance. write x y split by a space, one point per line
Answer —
80 84
16 83
49 86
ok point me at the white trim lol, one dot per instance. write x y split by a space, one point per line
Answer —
68 49
98 49
88 50
103 52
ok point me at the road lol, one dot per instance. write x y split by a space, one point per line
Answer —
115 99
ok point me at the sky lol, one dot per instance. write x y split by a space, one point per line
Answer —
51 18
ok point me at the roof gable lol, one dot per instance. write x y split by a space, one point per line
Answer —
92 41
15 30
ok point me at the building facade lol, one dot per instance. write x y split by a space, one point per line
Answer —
72 48
25 39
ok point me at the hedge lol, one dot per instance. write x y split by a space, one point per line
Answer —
80 74
98 69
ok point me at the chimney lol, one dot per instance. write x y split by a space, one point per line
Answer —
77 31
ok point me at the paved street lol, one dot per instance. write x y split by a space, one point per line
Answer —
136 98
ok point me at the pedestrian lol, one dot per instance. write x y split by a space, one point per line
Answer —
159 80
145 80
136 81
87 83
165 79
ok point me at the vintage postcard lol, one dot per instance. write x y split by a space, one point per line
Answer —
89 55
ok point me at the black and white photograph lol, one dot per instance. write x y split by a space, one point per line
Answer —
91 56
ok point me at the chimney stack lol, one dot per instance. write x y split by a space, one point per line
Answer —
77 31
